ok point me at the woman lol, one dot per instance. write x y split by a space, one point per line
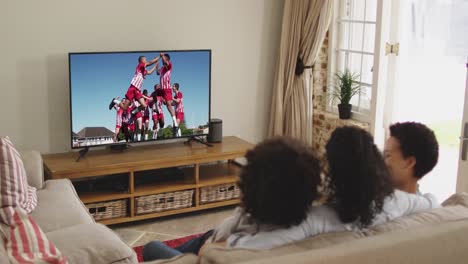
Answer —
361 194
278 185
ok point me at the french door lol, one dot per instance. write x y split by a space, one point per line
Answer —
420 75
462 180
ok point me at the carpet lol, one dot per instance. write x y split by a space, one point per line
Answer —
171 243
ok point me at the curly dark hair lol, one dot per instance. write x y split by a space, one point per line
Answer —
279 182
419 141
358 178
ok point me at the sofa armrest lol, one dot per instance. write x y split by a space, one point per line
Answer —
34 168
91 243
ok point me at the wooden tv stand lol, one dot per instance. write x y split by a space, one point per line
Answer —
203 166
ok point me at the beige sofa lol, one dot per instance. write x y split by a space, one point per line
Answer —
436 236
67 223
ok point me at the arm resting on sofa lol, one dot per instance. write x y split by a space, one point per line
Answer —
34 168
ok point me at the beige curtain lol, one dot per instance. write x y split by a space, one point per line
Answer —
305 24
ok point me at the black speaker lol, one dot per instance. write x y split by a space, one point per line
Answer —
215 134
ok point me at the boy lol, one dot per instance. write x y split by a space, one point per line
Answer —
165 81
120 112
146 114
138 120
123 104
126 125
130 122
134 91
410 153
179 105
120 115
158 115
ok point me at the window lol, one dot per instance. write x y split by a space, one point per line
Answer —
352 47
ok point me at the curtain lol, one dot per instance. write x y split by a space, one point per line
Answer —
305 24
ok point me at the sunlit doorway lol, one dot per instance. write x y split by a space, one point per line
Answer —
427 78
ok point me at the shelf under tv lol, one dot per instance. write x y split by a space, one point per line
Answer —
200 167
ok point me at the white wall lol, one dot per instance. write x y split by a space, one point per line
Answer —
36 36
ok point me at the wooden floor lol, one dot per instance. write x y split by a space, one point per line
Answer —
171 227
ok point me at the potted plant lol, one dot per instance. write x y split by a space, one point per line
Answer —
346 86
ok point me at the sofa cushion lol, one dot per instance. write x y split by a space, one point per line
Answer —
457 199
26 243
92 243
216 254
445 243
34 167
14 188
59 206
455 209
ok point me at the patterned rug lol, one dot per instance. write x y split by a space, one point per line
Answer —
171 243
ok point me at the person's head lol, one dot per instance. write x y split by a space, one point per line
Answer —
175 87
145 92
410 152
358 178
168 58
279 182
157 86
142 59
125 103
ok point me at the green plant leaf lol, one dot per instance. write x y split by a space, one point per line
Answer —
346 85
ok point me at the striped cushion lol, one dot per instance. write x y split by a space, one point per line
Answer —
26 243
14 188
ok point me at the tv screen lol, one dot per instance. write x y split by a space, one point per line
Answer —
129 97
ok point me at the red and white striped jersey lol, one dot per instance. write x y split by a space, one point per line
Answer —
180 105
139 76
122 115
119 117
136 104
126 115
165 77
146 112
159 104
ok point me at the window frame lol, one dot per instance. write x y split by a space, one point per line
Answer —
333 49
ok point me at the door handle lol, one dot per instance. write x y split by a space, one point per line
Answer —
464 139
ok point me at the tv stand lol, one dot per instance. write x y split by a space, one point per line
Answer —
144 171
119 147
199 140
82 153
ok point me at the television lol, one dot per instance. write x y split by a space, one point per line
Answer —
138 96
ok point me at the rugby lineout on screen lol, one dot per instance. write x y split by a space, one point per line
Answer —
124 97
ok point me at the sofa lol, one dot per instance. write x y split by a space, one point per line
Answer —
436 236
66 222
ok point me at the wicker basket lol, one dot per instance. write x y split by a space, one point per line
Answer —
163 202
218 193
107 210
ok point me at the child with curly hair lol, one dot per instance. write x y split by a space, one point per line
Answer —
278 185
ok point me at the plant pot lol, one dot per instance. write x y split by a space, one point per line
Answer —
344 111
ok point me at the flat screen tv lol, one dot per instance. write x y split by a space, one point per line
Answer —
138 96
